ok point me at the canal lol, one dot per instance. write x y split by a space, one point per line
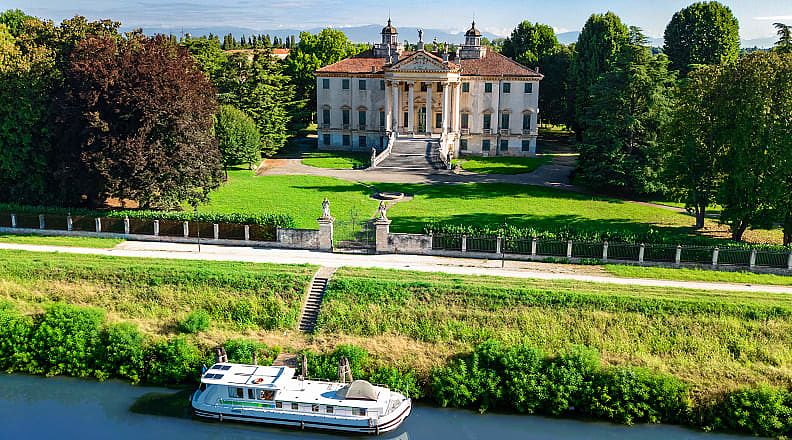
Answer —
66 408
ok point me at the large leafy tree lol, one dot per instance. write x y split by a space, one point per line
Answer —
702 33
691 140
137 123
597 50
530 42
784 43
260 88
237 136
554 97
207 53
627 107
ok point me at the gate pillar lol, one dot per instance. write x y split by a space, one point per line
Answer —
382 230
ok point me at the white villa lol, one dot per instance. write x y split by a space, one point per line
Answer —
475 101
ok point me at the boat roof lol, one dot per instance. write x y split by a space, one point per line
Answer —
257 376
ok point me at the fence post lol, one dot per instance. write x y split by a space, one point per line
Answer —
41 222
569 248
216 230
789 261
186 227
13 221
156 228
641 253
498 245
126 225
678 256
247 232
98 224
752 262
605 251
533 247
464 243
715 253
69 223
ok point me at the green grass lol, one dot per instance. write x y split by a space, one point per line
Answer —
626 271
157 293
87 242
714 340
336 160
503 165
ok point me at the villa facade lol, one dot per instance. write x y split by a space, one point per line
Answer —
475 101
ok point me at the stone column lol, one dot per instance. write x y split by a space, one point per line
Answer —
429 112
382 229
186 229
388 108
395 93
457 107
326 233
411 107
216 231
445 108
126 225
534 122
42 225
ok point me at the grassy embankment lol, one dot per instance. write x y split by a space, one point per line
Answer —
662 273
503 164
336 160
88 242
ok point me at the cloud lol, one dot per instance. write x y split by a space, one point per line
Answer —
774 18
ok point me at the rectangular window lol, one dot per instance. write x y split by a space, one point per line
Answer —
278 404
485 145
235 392
251 394
361 141
463 144
526 145
487 121
326 116
382 84
465 87
465 120
326 139
362 411
506 87
362 84
504 144
345 84
325 83
526 121
439 87
345 116
438 120
315 408
406 119
424 86
295 406
362 117
329 409
505 121
382 119
528 87
487 87
346 140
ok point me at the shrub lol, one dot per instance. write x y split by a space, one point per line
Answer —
67 339
524 385
764 411
174 361
325 366
123 353
241 351
196 321
403 381
16 353
568 376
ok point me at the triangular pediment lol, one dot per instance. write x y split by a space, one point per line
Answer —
421 61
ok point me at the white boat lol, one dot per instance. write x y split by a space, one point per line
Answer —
273 395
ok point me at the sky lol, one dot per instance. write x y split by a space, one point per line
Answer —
497 16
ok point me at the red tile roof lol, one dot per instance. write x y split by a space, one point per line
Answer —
364 62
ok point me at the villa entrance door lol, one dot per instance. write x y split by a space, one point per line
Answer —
422 120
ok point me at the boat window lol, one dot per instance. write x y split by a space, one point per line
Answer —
295 406
278 404
315 408
236 392
362 411
266 395
251 393
329 409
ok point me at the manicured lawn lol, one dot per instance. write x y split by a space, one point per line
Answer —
337 160
88 242
697 275
503 165
715 340
299 196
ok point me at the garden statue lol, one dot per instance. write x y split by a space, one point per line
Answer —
325 208
382 211
373 156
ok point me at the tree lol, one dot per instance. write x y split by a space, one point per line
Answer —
597 49
784 43
702 33
530 42
237 137
207 53
691 141
14 20
260 88
554 96
627 107
136 124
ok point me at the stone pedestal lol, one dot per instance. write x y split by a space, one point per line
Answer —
382 229
326 233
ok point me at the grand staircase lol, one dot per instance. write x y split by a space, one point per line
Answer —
414 155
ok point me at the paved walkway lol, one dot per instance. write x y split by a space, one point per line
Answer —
422 263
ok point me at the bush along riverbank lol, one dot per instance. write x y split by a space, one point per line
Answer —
77 341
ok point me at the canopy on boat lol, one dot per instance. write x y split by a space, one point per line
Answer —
358 390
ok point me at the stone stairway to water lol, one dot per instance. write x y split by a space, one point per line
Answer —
313 303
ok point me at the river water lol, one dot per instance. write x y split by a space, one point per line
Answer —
66 408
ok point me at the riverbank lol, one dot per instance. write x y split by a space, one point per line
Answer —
407 324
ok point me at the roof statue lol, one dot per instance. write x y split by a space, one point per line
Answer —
420 35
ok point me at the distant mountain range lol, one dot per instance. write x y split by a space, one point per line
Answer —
371 33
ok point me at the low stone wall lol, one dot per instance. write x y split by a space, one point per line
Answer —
298 238
409 243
